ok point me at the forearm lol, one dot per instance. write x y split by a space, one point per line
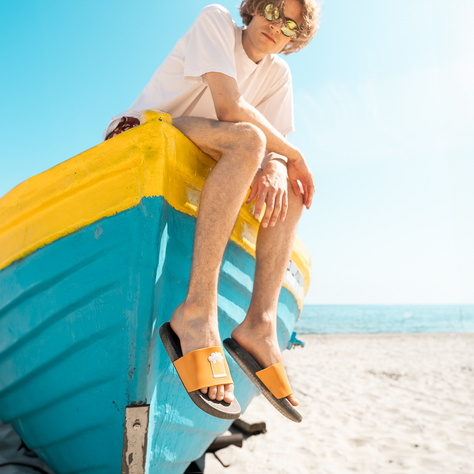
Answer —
232 107
276 142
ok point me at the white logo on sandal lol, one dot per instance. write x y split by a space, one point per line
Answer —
217 365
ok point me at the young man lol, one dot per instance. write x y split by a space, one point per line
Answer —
231 95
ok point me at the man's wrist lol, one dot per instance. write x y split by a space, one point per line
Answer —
272 156
276 165
279 159
294 155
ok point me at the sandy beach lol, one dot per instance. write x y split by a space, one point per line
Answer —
371 404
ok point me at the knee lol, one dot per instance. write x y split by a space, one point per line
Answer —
251 137
249 142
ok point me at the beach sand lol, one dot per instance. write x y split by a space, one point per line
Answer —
371 404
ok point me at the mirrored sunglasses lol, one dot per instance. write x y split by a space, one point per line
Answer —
272 13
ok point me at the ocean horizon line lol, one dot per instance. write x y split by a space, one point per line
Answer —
400 318
388 304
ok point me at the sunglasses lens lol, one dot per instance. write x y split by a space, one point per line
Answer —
271 12
289 28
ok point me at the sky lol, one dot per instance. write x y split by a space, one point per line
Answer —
384 113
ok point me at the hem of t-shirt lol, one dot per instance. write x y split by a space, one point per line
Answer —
197 77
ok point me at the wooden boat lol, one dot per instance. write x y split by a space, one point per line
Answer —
95 255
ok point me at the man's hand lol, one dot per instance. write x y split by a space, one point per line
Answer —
270 187
301 179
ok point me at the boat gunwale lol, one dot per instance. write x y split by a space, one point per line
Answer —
135 165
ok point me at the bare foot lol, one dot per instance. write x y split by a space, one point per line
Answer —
197 332
261 342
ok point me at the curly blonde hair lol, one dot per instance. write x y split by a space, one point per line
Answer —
308 28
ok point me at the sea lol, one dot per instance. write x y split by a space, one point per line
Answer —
373 319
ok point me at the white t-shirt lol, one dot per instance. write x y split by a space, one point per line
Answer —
214 44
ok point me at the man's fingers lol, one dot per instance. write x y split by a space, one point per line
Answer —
284 207
309 199
253 193
309 193
305 195
270 205
295 186
260 202
253 188
276 209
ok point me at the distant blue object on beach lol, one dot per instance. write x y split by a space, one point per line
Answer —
294 341
367 319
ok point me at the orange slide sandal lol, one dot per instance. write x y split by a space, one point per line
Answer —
272 381
199 369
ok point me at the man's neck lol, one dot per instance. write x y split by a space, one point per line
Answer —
252 53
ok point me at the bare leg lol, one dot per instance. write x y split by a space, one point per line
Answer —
257 334
238 149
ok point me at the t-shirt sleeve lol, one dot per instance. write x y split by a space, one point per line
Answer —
277 105
209 45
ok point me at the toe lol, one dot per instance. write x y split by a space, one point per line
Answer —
204 390
229 393
220 393
293 400
212 393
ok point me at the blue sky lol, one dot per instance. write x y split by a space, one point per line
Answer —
384 104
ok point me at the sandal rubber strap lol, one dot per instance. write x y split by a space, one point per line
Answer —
276 380
203 368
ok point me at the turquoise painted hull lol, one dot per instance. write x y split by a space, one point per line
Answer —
79 322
